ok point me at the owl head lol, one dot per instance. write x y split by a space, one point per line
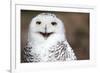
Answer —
46 25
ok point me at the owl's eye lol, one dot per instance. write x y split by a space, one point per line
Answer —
38 22
53 23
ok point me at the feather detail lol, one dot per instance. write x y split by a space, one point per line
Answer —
28 55
61 52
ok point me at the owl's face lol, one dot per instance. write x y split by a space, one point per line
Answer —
46 24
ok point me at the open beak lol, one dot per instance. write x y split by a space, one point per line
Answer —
46 35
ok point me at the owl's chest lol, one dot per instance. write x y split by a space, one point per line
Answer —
52 53
57 53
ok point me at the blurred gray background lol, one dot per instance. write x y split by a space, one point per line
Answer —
76 26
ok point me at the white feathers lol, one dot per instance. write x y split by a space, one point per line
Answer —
47 39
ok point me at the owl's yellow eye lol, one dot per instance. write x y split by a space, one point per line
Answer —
53 23
38 22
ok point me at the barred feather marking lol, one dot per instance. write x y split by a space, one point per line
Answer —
28 55
60 53
57 52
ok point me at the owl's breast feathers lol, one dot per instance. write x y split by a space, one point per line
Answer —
59 52
28 55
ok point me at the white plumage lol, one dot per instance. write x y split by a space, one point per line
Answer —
47 41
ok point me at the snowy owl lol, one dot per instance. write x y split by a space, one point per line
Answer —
47 41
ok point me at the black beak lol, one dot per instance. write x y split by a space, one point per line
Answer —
46 35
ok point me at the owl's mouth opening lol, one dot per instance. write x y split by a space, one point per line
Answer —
46 35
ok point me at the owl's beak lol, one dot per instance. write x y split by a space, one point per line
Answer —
46 35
